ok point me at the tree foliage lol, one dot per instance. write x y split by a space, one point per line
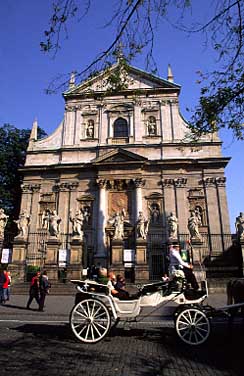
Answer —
136 21
13 146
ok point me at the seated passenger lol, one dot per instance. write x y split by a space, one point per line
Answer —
122 294
102 276
120 285
176 263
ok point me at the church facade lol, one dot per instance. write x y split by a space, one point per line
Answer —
105 185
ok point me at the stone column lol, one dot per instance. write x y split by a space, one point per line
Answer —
181 200
51 260
223 207
101 220
139 183
141 265
169 200
18 264
75 266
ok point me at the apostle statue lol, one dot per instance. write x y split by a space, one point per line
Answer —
141 226
239 225
77 223
23 223
118 222
194 221
3 222
54 222
172 225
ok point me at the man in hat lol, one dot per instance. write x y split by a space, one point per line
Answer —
176 263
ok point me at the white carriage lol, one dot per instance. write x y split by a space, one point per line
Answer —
96 310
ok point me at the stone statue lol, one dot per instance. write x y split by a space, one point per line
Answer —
118 221
141 226
155 213
54 222
45 219
172 225
151 126
90 129
86 214
23 224
3 222
77 223
193 223
239 225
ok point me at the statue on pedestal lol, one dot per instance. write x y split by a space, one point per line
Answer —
77 224
3 222
118 222
239 225
23 223
194 222
172 225
141 226
54 222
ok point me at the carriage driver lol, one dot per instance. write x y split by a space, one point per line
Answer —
176 263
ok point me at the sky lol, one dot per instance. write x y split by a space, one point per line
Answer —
25 71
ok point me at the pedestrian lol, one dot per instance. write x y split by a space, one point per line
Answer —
5 286
34 292
9 285
44 289
3 283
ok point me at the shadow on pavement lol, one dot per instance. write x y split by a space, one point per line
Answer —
125 352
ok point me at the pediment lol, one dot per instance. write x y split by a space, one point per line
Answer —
119 156
132 79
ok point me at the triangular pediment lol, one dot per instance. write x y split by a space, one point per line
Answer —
118 156
132 79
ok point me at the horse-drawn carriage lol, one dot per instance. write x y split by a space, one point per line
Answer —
96 310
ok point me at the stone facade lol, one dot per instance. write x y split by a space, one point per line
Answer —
120 151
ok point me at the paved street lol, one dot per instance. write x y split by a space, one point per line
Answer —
34 343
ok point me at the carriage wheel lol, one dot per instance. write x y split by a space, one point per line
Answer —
192 326
90 320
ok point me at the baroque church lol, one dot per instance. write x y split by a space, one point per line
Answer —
117 181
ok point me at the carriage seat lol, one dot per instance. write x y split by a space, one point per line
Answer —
191 294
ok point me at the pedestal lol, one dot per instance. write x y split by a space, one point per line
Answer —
242 253
75 266
117 256
141 267
18 264
198 267
51 259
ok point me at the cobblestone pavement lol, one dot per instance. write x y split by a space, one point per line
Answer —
33 343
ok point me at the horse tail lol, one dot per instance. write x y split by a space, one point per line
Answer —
229 291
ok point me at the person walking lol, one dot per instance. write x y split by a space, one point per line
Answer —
44 289
3 285
9 285
34 292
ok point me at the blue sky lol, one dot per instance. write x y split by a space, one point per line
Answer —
25 71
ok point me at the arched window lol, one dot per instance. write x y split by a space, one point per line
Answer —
120 128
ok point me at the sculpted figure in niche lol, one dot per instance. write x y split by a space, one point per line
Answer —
239 225
155 213
23 223
45 219
77 223
54 222
193 223
118 222
141 226
151 126
3 222
172 225
90 129
86 214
